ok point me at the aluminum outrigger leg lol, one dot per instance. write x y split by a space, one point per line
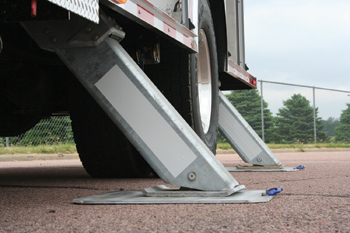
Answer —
142 113
244 140
155 128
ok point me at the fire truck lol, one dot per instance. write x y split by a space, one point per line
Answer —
140 79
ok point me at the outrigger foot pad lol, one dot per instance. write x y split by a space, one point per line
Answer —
258 168
139 197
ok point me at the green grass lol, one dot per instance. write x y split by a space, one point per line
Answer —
70 148
226 146
41 149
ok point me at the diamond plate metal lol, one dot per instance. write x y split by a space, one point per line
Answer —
88 9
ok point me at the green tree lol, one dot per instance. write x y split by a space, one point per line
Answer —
295 122
2 141
342 132
329 125
248 104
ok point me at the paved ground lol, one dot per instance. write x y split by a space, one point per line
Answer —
35 196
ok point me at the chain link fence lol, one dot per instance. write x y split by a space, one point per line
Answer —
55 130
326 107
291 113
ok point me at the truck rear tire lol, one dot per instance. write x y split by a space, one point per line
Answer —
190 82
103 149
14 122
205 80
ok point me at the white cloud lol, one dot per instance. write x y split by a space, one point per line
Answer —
304 42
284 23
299 41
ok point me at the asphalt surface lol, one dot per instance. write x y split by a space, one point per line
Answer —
35 196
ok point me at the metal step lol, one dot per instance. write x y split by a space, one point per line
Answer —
245 141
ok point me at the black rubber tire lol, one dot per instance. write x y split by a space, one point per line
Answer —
176 77
103 149
25 96
12 122
205 23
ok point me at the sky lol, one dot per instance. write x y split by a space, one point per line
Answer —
304 42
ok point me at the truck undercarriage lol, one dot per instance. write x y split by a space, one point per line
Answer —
35 83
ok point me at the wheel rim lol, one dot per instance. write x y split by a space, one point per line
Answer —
204 81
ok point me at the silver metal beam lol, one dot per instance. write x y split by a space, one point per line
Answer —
241 34
146 118
242 137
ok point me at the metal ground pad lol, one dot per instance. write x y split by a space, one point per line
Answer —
138 197
284 169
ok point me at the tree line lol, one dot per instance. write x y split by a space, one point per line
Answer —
294 122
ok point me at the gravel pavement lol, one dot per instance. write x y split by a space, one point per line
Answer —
35 196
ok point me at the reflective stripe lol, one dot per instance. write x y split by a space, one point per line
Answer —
155 17
236 71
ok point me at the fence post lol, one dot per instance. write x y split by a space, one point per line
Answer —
262 111
314 115
7 141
